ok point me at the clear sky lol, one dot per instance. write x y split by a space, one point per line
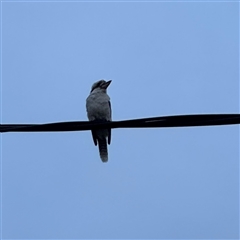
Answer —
164 58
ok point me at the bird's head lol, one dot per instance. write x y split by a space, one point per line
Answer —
101 85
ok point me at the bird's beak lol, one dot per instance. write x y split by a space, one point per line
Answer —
106 84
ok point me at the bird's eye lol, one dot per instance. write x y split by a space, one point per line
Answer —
100 83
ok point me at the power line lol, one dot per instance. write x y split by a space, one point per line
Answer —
154 122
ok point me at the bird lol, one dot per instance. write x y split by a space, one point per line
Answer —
98 107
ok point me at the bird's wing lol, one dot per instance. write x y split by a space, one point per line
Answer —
109 103
109 136
109 130
94 137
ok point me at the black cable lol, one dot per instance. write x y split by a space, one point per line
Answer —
167 121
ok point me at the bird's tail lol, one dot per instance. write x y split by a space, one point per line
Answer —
102 146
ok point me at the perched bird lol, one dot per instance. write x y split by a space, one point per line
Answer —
99 110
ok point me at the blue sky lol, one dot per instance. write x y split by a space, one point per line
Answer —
164 58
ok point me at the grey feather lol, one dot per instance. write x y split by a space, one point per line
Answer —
102 146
